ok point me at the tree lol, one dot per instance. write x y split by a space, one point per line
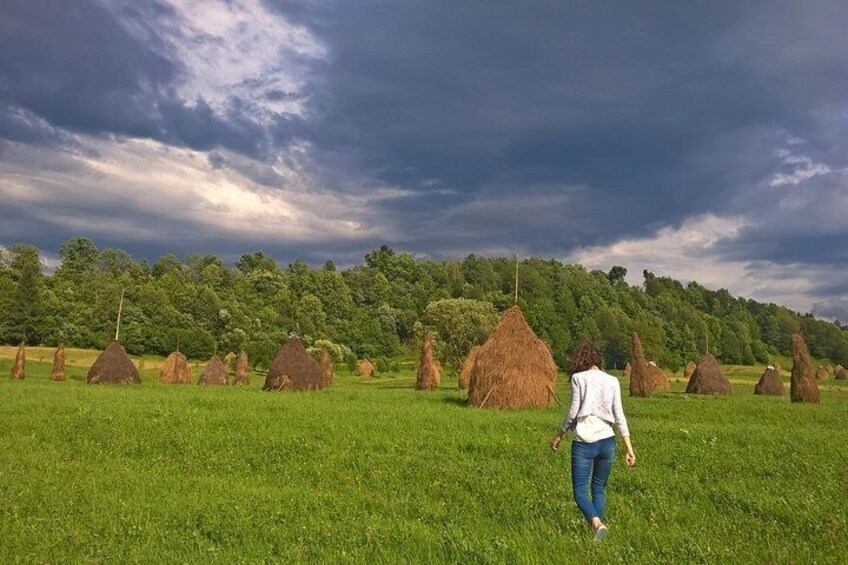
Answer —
460 324
617 275
25 313
79 255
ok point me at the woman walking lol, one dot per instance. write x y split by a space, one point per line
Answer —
595 408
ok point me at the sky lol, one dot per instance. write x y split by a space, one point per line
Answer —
704 141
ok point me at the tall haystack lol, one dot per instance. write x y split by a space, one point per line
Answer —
57 373
642 379
514 368
293 369
821 374
659 377
429 375
840 373
628 369
176 370
18 371
365 368
326 370
708 378
230 361
770 383
242 369
214 373
802 387
468 367
113 367
689 369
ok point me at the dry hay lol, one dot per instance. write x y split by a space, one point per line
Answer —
175 371
428 373
708 378
642 379
293 369
326 370
514 368
214 373
821 374
365 368
689 369
659 377
468 367
113 367
242 369
802 387
230 361
627 370
777 367
18 372
829 369
57 373
770 383
840 373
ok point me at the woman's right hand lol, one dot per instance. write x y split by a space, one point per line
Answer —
630 459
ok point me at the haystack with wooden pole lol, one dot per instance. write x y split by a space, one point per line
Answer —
293 369
365 368
628 369
18 372
770 383
642 379
468 367
176 370
214 373
514 368
659 377
428 375
839 373
326 370
708 378
689 369
821 374
242 376
802 387
57 373
113 366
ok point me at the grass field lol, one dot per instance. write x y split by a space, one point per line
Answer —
373 471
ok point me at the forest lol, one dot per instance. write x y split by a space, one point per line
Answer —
380 308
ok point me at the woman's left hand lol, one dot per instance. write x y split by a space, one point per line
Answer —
555 442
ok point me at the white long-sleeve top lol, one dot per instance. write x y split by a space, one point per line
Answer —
596 393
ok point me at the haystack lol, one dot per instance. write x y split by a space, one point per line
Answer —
802 387
468 367
326 370
689 369
642 380
57 373
708 378
429 375
829 368
214 373
242 369
840 373
175 371
18 371
659 377
365 368
777 367
821 374
230 361
770 383
514 368
627 370
113 367
293 369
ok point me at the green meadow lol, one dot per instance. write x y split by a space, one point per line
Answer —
372 471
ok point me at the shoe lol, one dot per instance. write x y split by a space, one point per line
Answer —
601 532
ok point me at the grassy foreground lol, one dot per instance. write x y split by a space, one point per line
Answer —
373 471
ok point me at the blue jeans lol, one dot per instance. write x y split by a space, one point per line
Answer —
591 461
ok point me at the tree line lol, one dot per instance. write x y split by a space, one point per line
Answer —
379 309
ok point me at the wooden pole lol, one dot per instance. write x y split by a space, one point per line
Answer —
491 388
516 278
550 390
120 309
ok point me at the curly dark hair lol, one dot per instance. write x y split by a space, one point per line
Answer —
585 356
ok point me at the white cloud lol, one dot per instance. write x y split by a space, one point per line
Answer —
687 253
803 168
